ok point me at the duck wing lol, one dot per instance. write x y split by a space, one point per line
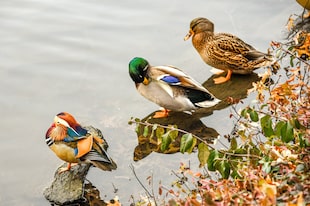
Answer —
230 46
99 157
173 76
229 51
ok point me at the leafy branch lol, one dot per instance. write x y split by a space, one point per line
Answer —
274 169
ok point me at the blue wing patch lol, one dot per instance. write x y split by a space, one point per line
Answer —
70 139
170 80
73 133
81 130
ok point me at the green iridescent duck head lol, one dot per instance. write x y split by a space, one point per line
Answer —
138 69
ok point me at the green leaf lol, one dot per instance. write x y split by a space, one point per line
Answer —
233 144
266 167
278 127
242 135
190 150
302 142
292 61
154 127
254 116
244 113
235 174
291 48
224 168
255 151
241 151
173 134
146 131
214 154
203 153
263 106
295 123
187 143
266 124
138 129
166 140
278 53
287 132
159 132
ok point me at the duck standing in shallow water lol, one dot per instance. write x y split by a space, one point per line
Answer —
73 144
169 87
225 51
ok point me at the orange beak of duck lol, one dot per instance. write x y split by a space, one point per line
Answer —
190 33
145 81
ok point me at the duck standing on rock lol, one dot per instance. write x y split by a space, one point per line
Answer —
225 51
169 87
74 144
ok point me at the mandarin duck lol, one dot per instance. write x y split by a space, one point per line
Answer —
73 143
225 51
169 87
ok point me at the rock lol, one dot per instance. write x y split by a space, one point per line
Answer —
67 187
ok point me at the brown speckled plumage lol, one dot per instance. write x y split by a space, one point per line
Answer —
225 51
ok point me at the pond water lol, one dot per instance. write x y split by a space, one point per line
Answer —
72 55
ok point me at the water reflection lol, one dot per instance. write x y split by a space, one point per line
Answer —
236 88
184 121
92 197
72 55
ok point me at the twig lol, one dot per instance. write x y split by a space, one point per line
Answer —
243 155
115 189
292 54
146 190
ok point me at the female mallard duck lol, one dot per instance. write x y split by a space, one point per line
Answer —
225 51
169 87
73 143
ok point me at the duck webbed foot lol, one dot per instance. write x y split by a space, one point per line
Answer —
220 80
64 169
161 114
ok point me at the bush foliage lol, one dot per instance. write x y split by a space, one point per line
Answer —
268 159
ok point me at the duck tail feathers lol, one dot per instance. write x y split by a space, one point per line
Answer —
103 165
206 104
100 158
260 59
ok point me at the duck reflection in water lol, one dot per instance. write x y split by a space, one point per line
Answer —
236 89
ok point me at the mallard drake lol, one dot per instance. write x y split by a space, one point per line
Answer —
74 144
169 87
225 51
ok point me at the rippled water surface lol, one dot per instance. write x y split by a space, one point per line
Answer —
72 55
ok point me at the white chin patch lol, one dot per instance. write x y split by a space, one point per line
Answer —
61 121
